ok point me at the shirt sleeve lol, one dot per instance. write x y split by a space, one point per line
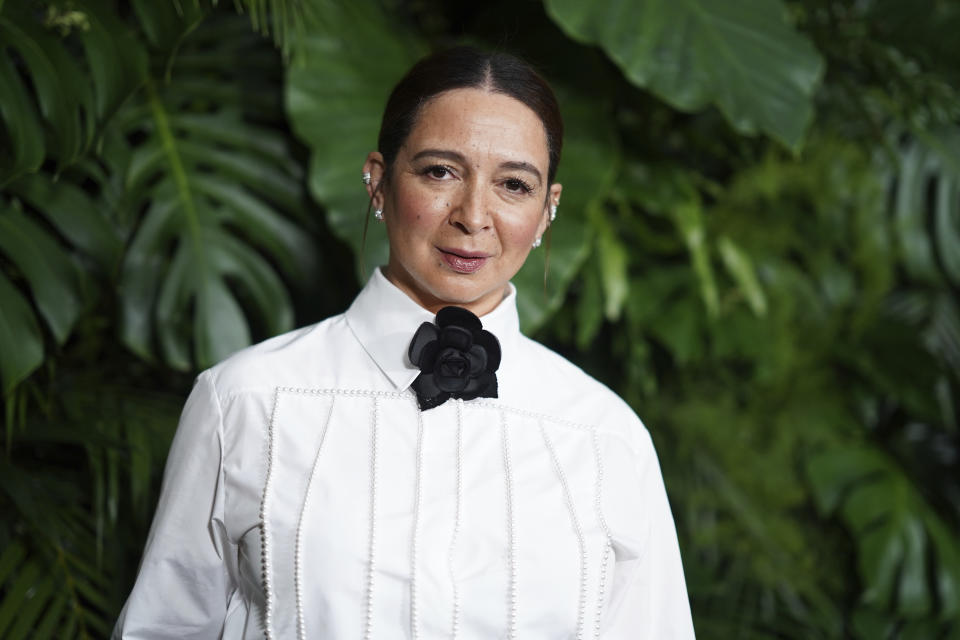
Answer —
184 584
650 600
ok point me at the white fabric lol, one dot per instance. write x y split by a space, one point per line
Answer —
306 496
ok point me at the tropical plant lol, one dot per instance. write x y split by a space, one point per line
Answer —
758 247
146 220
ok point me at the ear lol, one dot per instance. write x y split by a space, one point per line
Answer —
377 170
553 199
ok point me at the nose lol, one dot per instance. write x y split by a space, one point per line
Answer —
469 213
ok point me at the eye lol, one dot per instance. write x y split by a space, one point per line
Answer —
437 171
516 185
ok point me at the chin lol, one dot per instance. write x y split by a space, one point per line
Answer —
462 292
437 287
457 295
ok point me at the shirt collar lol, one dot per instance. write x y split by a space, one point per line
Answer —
384 319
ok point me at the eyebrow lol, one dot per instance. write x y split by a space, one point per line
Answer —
516 165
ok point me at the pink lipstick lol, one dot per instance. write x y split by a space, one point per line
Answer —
463 261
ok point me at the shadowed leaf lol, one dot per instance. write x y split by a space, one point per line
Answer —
743 56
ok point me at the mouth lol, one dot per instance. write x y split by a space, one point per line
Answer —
463 261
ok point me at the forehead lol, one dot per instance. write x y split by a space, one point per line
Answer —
481 124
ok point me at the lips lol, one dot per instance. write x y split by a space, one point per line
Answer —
463 261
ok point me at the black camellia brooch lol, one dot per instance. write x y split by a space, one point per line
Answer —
457 359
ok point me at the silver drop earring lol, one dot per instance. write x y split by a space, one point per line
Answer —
378 214
365 177
536 243
553 212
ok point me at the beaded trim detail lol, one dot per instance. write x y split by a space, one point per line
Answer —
568 497
534 415
505 413
415 542
396 395
511 531
265 563
356 393
298 552
371 563
608 546
456 523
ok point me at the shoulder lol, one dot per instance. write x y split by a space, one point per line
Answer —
560 388
284 360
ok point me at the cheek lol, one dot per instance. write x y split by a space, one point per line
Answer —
413 208
518 232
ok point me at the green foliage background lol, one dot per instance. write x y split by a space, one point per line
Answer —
758 247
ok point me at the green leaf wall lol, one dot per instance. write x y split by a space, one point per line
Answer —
757 247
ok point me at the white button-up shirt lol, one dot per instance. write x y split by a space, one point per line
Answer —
306 496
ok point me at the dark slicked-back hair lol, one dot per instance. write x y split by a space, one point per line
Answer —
468 68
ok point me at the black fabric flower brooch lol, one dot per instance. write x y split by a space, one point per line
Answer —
457 359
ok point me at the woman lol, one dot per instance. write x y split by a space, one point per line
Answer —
405 469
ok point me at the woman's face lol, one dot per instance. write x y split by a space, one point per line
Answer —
465 200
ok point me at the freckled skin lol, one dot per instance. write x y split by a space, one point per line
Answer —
465 201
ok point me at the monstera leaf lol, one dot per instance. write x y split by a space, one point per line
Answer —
906 554
20 336
63 75
586 171
741 56
927 206
336 89
46 267
54 279
212 186
76 94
